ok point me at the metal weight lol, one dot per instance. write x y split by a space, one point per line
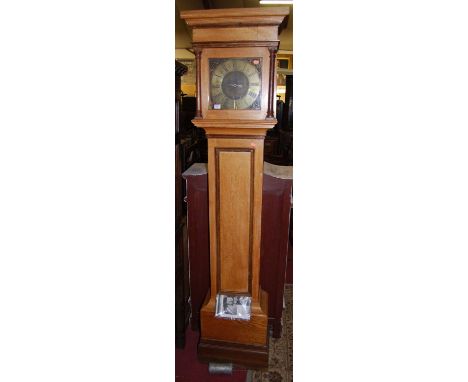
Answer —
220 368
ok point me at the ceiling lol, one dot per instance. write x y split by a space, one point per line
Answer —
182 32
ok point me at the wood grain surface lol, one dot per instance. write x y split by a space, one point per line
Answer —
234 172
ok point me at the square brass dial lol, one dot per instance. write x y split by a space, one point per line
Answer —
235 83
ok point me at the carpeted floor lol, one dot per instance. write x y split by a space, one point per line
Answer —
188 369
280 368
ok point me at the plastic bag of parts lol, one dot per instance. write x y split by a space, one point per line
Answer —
234 307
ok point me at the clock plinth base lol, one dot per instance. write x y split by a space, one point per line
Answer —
251 356
242 342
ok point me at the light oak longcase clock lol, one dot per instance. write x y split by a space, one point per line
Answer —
235 52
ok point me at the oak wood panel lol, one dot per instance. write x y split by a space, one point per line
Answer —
253 33
238 331
256 146
234 206
253 331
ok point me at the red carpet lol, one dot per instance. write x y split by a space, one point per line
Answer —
188 369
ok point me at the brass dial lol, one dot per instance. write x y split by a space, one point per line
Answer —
235 83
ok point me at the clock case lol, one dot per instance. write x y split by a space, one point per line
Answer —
235 178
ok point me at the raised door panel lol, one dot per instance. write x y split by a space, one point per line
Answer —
235 174
234 169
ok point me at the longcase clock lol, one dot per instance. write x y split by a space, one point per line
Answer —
235 52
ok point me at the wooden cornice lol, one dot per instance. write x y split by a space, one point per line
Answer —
235 17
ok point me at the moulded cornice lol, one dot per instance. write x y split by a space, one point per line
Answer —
234 17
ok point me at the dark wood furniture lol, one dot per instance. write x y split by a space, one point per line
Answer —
192 139
277 188
182 290
271 145
287 114
286 132
196 178
277 192
279 141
